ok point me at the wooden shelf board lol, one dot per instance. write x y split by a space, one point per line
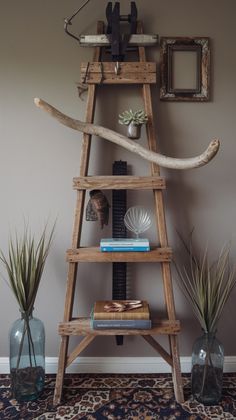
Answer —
128 73
81 326
119 182
93 254
128 66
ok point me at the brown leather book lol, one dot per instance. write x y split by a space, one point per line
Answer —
138 313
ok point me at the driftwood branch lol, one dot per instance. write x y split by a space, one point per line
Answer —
113 136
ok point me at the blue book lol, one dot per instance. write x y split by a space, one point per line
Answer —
141 324
124 248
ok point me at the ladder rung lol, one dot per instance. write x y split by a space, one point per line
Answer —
119 182
82 326
93 254
108 73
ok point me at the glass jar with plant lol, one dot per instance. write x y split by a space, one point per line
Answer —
134 120
207 286
24 265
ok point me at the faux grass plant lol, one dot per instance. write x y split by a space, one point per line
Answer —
206 285
24 265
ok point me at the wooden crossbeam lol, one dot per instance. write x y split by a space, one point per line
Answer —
118 73
78 349
93 254
119 182
82 326
135 40
163 353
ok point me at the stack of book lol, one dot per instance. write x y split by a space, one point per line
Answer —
138 318
124 245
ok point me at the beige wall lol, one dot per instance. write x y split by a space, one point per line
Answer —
39 158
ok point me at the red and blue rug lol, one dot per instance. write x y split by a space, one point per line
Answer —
111 396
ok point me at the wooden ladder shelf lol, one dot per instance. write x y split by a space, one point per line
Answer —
143 74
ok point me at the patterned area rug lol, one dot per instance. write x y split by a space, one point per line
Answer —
111 396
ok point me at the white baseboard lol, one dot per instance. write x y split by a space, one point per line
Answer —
120 365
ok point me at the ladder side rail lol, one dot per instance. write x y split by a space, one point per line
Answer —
158 196
162 232
84 163
76 236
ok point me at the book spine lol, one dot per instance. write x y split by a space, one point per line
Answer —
124 248
124 243
142 324
109 317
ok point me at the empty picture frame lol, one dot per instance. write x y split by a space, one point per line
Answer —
185 69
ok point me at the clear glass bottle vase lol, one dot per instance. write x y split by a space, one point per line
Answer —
207 369
27 358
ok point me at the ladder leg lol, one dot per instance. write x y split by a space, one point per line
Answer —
69 300
173 339
61 370
162 232
170 306
176 370
169 298
72 270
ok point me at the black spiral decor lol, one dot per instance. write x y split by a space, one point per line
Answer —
119 206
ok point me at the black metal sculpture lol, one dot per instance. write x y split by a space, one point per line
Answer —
118 42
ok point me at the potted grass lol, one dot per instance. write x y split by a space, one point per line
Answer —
134 121
24 264
207 286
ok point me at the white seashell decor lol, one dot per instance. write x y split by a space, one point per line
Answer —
137 219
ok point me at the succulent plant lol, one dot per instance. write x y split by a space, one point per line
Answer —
136 117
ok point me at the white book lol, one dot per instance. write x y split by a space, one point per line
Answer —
142 324
124 242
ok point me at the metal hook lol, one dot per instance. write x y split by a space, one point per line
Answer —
102 73
67 21
86 73
117 68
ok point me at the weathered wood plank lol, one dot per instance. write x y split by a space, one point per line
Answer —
150 340
119 182
162 232
72 270
124 67
121 73
93 254
78 349
117 79
82 326
146 40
